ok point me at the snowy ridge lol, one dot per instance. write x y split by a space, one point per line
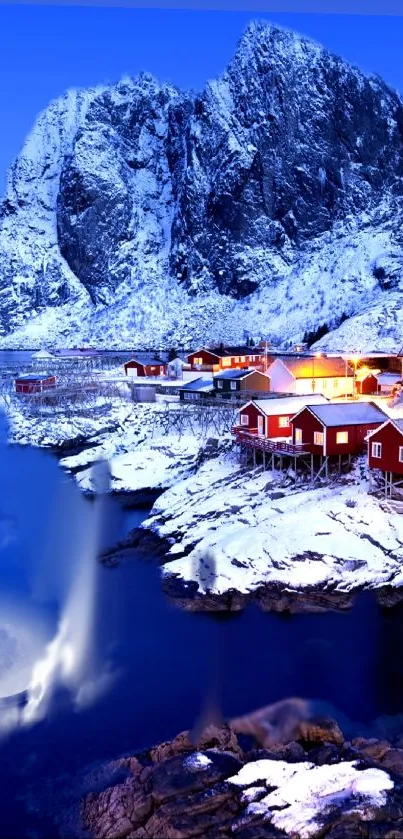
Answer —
140 215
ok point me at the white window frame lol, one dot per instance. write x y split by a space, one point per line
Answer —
400 454
243 358
232 385
335 383
339 434
298 436
318 438
236 359
284 422
376 450
219 384
226 362
244 419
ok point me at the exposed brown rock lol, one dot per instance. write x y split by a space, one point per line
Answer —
393 760
372 748
320 730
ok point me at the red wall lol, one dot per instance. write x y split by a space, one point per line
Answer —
253 413
309 424
144 369
391 439
271 424
356 439
368 385
209 359
25 386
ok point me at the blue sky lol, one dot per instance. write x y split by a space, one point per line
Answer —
44 50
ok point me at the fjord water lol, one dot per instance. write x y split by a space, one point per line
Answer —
148 668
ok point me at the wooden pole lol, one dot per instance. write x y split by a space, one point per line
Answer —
311 468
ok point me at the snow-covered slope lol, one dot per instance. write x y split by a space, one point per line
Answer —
269 203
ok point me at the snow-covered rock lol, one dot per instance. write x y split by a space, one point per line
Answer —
137 214
228 530
302 795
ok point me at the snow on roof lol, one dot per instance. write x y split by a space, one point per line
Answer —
42 354
34 377
388 378
147 361
223 352
312 367
288 404
347 413
236 374
199 384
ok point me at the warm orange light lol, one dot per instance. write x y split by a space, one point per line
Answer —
318 355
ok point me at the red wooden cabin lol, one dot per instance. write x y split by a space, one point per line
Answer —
385 447
366 382
145 367
271 417
338 428
31 383
216 359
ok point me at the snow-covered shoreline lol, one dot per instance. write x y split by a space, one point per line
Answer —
231 537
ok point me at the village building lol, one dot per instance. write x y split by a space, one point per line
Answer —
366 381
240 382
389 383
34 383
338 428
196 390
223 358
330 376
385 452
271 418
150 367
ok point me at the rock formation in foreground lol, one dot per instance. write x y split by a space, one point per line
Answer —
245 781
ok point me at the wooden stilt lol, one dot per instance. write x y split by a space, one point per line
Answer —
311 468
264 460
326 468
339 462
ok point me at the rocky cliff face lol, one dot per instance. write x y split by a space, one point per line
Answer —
137 213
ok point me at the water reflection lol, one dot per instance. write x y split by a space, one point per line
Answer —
147 669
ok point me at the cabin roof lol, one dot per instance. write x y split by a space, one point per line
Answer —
312 367
237 374
199 385
347 413
389 378
146 361
34 377
286 405
224 352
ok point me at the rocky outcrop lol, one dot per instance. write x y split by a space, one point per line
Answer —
308 783
141 214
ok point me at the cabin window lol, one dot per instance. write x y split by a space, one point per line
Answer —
226 362
342 437
324 384
233 385
236 359
298 435
335 382
243 358
318 438
198 361
219 384
244 419
400 454
376 449
284 422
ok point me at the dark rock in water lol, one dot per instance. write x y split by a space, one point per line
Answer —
178 791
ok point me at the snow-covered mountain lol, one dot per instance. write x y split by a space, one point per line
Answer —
269 204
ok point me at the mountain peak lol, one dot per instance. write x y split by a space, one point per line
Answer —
199 217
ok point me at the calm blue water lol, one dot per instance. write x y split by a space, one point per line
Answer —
167 660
